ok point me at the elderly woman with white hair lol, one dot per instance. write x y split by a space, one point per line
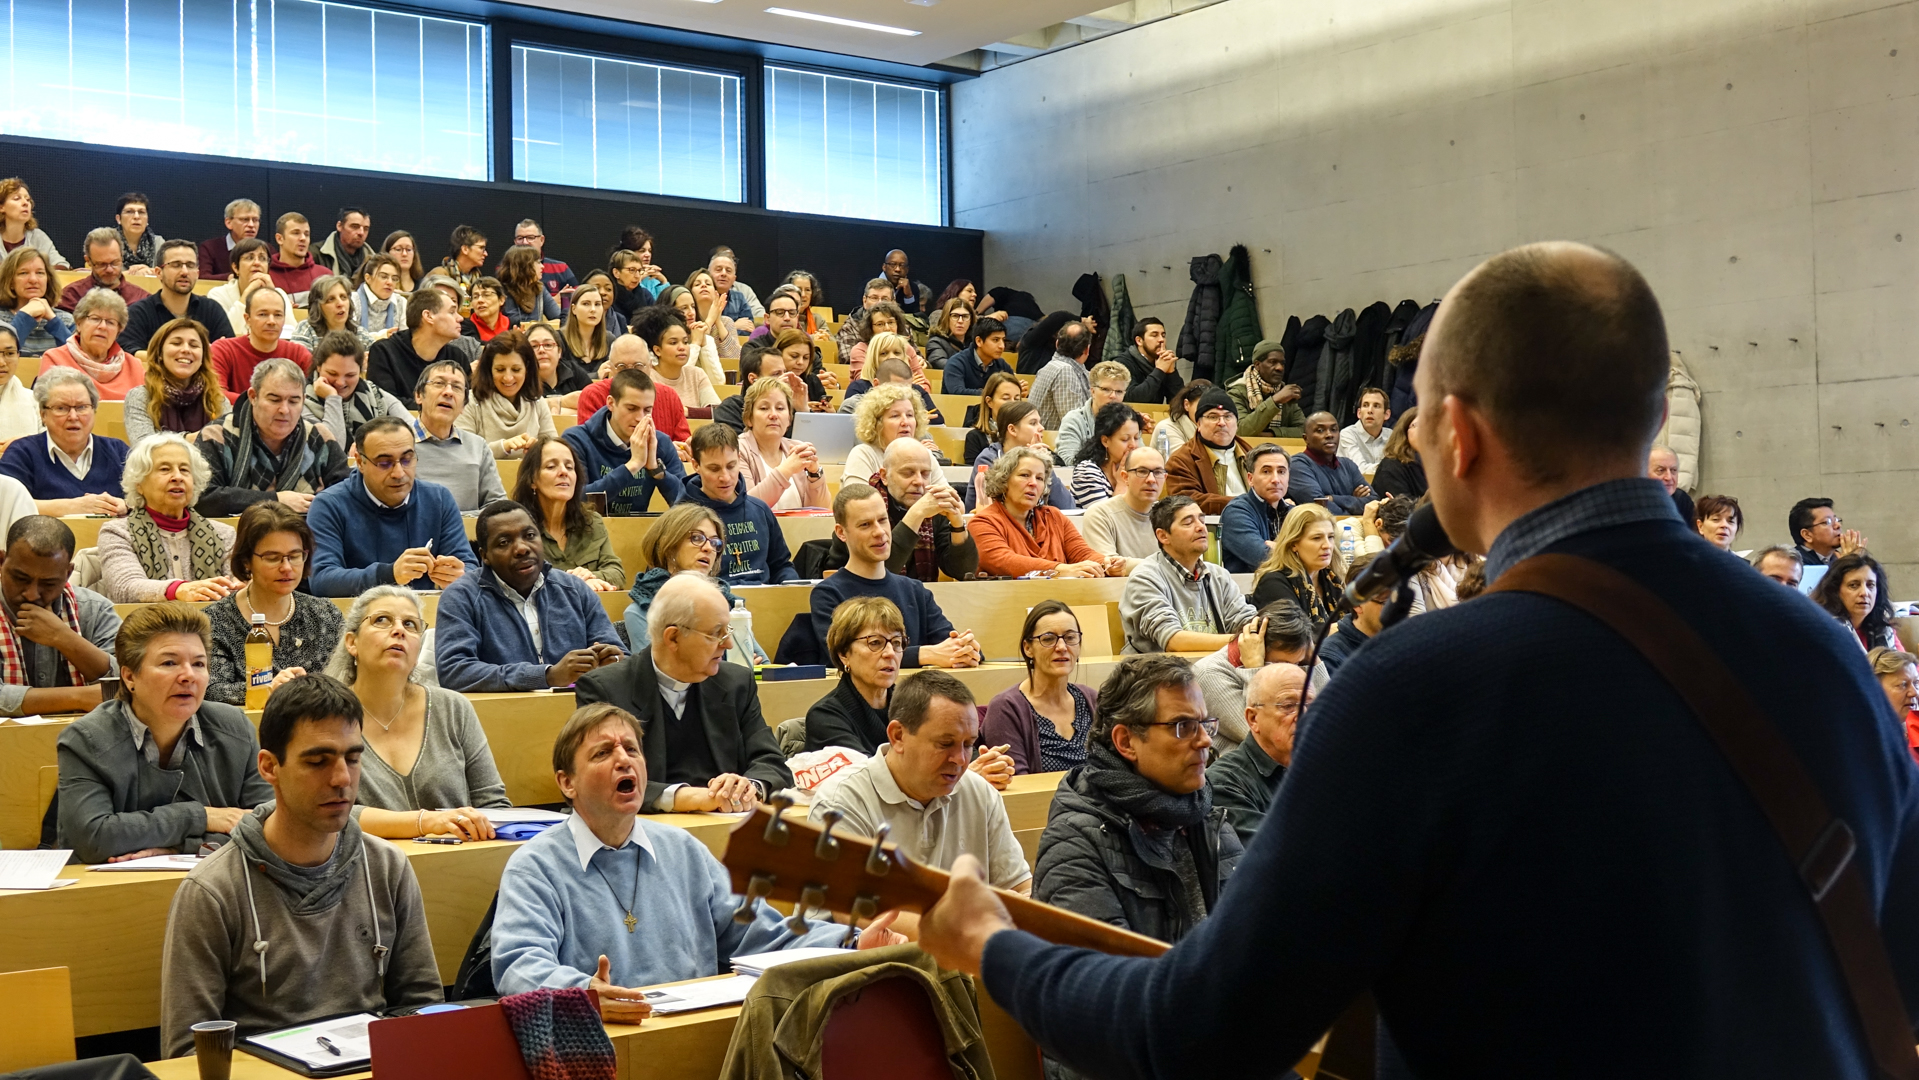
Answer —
163 549
69 469
425 749
94 348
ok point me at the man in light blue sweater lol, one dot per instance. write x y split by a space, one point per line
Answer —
612 901
386 528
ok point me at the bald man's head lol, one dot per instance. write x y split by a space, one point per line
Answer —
1563 348
909 470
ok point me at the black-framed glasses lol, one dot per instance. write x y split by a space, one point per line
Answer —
1184 730
1149 474
700 539
879 643
1072 638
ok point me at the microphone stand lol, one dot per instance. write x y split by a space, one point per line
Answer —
1400 605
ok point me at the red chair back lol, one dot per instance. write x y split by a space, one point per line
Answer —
463 1044
885 1032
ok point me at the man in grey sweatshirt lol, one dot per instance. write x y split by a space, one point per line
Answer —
302 916
1176 601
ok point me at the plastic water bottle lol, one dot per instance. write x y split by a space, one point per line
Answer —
1163 443
1348 539
259 649
739 623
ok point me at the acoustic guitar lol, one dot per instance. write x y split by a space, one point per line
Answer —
771 858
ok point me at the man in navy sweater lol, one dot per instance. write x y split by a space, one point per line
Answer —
386 528
1320 475
754 550
968 369
861 522
1537 869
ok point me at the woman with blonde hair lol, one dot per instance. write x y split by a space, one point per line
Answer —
1305 566
886 413
163 549
180 393
1898 674
685 539
783 473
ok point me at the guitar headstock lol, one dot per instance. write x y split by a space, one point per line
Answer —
772 858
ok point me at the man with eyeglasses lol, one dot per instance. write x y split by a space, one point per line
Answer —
1109 382
517 623
922 789
928 519
1249 522
242 218
1123 524
458 460
389 528
1176 601
1246 778
707 745
179 272
67 468
1820 534
268 449
554 274
913 297
862 524
106 269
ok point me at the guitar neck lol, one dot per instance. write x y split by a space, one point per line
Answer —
1062 927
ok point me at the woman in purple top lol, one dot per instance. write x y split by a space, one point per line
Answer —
1044 720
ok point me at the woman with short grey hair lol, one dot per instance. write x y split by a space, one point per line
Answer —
163 549
425 748
94 349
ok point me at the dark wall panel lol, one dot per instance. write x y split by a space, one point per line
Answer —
74 188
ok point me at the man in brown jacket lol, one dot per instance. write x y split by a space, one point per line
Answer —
1211 467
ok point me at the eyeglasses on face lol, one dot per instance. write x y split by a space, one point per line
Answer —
1187 729
69 410
716 635
1072 638
1149 474
277 559
446 384
1286 708
882 643
383 621
387 464
700 539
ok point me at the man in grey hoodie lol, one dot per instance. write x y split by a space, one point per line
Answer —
302 916
1176 601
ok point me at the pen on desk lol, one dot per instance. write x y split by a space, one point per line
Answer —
438 840
327 1045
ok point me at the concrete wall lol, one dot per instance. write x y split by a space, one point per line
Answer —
1757 159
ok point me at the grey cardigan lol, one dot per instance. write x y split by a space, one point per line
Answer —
455 766
112 800
139 423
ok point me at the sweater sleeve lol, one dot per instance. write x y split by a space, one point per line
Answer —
1302 484
779 558
527 933
1150 621
123 580
331 576
996 554
761 759
134 418
193 965
484 788
955 551
1239 534
412 973
1004 726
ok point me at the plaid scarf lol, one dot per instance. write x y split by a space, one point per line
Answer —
13 656
253 464
925 553
560 1035
1256 388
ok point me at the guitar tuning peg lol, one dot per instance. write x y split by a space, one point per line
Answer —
864 908
811 897
776 831
876 863
828 848
756 888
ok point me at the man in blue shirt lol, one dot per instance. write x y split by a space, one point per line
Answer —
623 454
1250 521
1320 475
968 369
384 527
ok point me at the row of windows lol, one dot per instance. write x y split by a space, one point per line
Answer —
341 85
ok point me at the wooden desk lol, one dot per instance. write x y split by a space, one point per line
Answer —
615 604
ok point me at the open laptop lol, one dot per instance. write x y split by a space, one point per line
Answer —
830 433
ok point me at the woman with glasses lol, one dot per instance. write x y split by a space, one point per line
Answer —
685 538
400 246
378 303
1044 720
559 377
1020 426
867 642
329 308
271 550
94 349
19 413
163 549
952 329
425 749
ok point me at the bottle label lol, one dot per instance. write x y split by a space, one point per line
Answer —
260 678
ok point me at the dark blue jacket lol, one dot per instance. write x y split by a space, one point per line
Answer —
605 458
1310 480
755 552
965 375
1539 868
1246 523
501 658
355 539
29 462
1340 646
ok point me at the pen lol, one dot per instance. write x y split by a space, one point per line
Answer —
439 840
327 1045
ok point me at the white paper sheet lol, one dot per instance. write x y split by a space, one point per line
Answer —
347 1034
153 862
35 720
32 869
758 963
514 815
701 995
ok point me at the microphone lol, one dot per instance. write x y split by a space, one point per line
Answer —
1423 541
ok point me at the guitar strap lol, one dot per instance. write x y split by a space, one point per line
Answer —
1820 844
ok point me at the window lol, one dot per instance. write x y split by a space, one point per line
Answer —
854 147
280 80
600 122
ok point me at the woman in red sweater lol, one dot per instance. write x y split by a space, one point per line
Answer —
1017 533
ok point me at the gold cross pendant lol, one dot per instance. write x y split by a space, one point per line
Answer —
631 922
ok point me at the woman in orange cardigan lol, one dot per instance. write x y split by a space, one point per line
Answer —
1017 533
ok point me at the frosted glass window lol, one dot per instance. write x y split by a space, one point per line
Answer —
622 125
854 147
275 80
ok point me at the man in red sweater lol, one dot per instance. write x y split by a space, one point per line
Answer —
233 359
293 267
669 412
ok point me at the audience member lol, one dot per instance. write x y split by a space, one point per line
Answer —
339 395
106 271
1020 427
669 415
329 311
272 550
563 379
26 302
159 768
459 461
378 303
665 335
967 371
344 251
294 268
384 529
688 538
522 290
1279 634
316 864
585 339
702 306
1122 526
94 349
466 257
1400 472
1211 466
861 524
920 789
68 468
517 624
878 291
1854 592
242 218
556 275
1320 475
1305 566
742 306
1817 531
928 520
1001 390
1898 674
624 456
1662 464
1063 383
267 450
755 552
234 359
782 313
1109 381
1096 471
427 769
951 330
1176 601
885 344
19 228
19 413
1248 524
573 539
252 268
886 414
889 372
784 473
1246 778
1779 562
176 300
812 295
629 281
865 642
57 639
400 246
707 745
1018 534
432 332
163 549
1045 718
1152 365
1266 402
1364 441
561 911
1356 627
1718 519
140 245
912 296
1473 581
1133 839
507 409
